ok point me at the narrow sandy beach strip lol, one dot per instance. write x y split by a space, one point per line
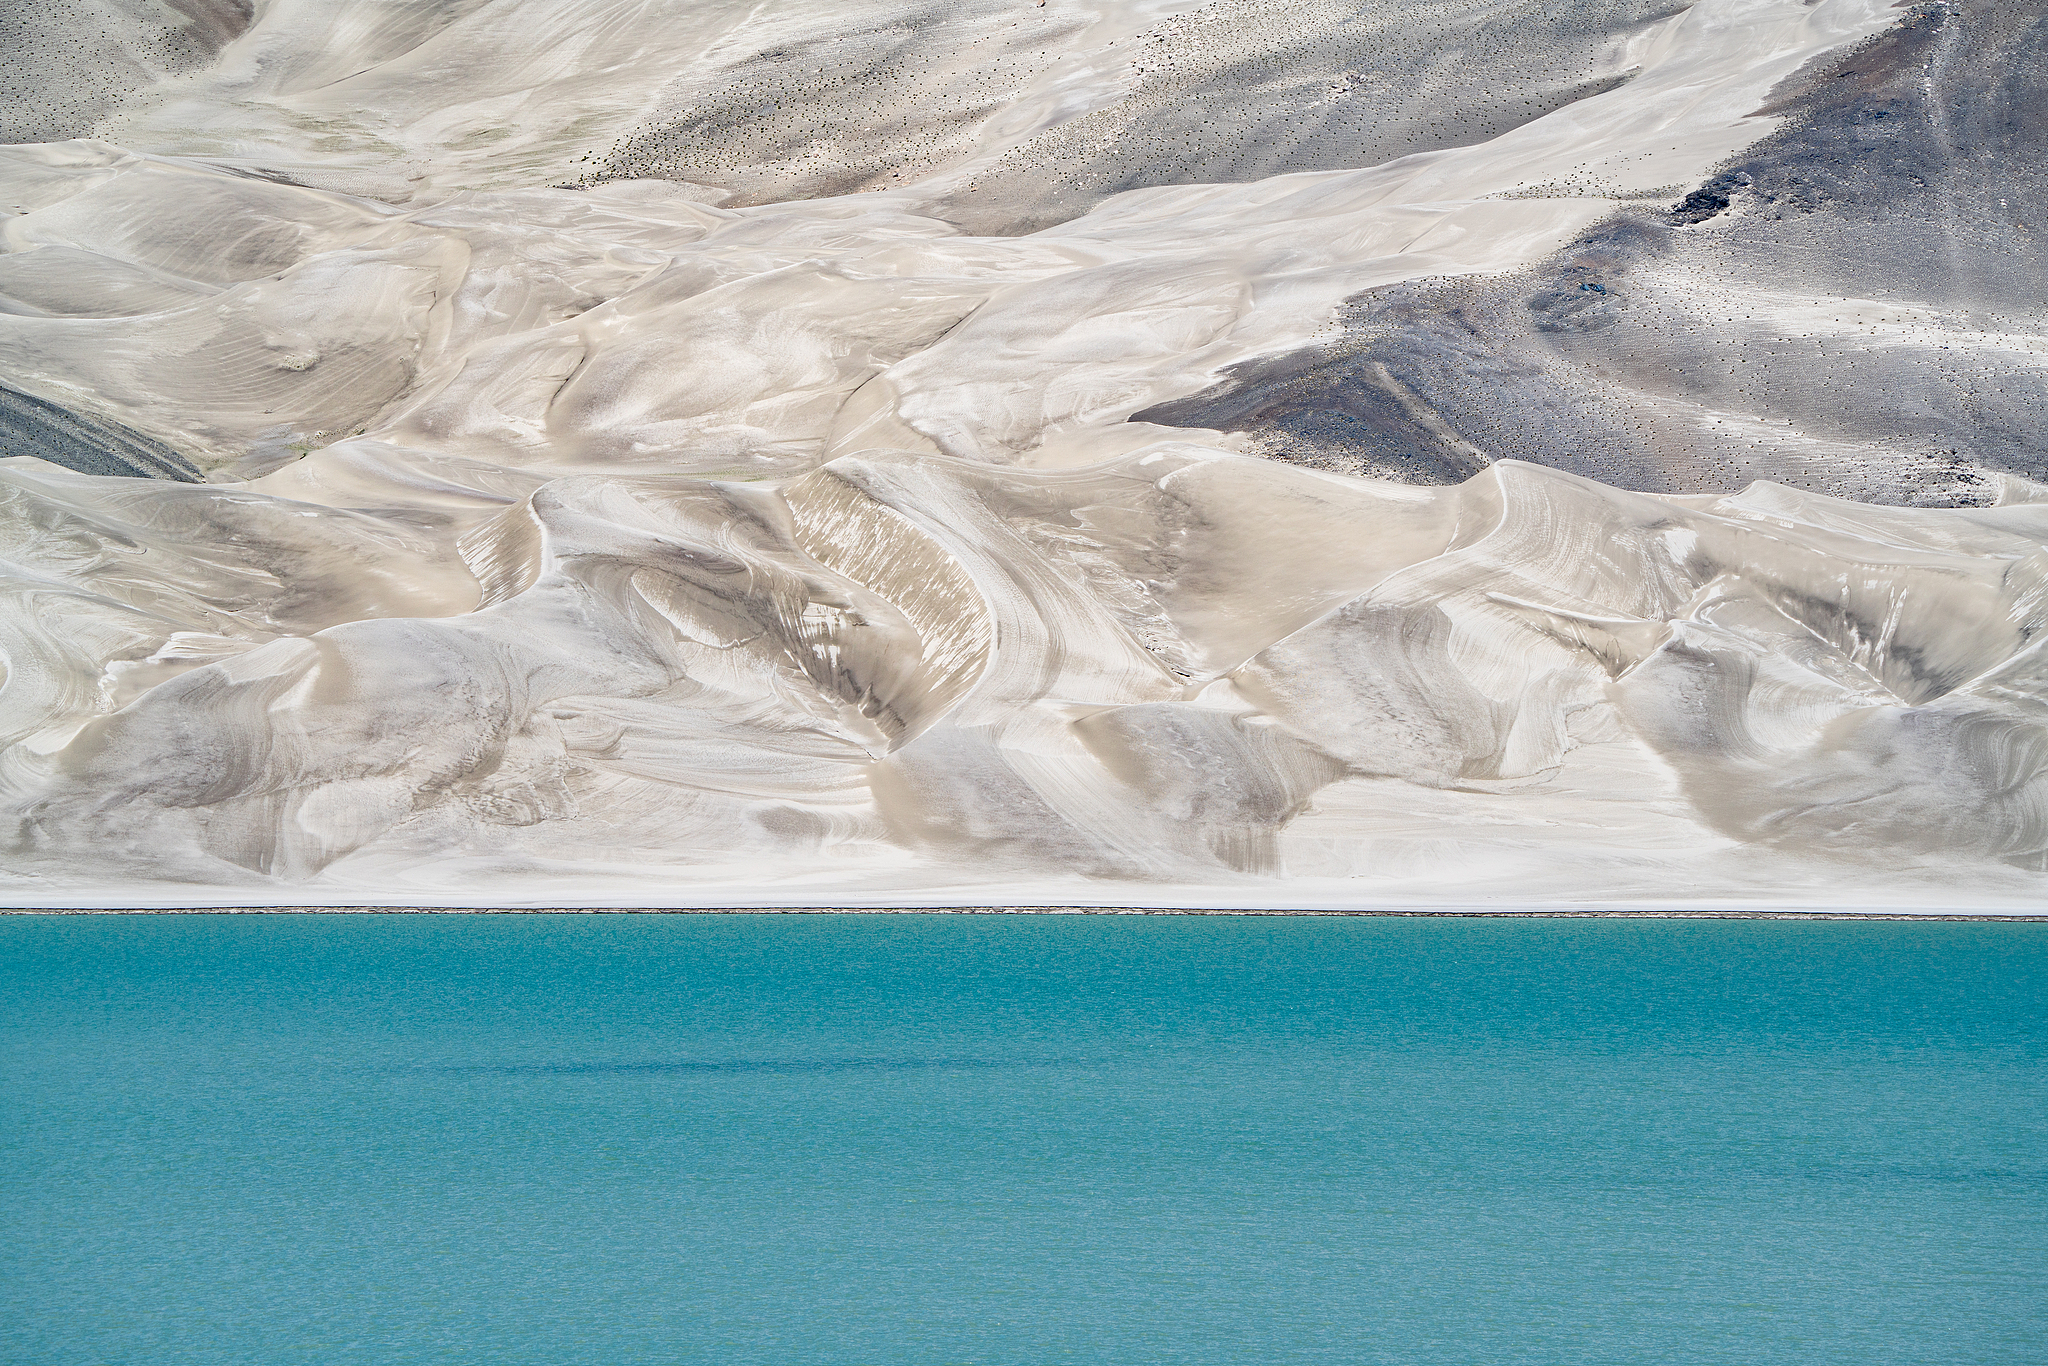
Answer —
1695 913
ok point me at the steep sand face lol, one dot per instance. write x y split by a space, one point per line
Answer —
1851 304
882 477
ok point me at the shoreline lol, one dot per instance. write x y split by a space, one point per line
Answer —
1560 913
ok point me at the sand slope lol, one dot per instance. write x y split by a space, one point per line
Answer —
1172 454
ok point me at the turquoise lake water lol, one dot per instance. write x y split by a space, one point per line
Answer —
951 1139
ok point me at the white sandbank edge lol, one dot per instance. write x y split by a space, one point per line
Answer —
1582 910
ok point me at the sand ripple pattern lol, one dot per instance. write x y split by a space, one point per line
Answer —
661 541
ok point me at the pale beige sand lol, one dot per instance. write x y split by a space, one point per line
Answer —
623 541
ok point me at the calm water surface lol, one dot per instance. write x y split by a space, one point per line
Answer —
937 1139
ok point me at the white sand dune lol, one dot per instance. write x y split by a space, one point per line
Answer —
777 531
